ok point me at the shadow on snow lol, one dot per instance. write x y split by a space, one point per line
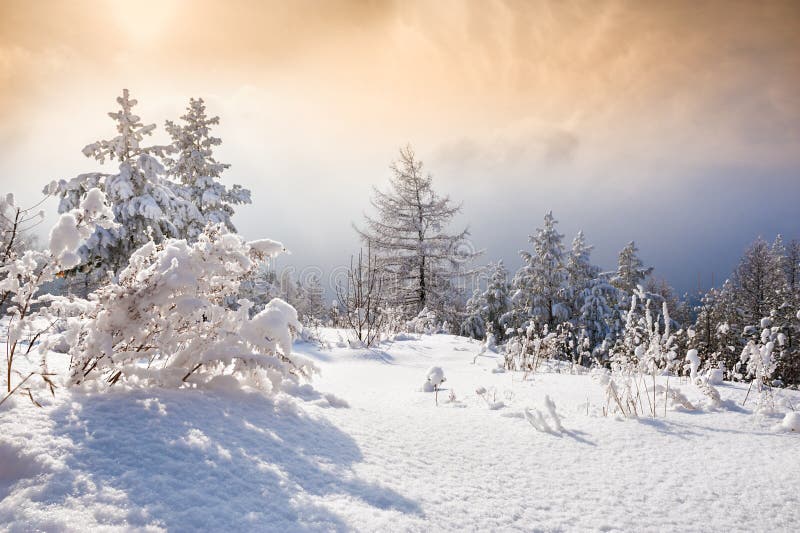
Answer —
191 460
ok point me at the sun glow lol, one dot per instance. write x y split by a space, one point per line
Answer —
145 21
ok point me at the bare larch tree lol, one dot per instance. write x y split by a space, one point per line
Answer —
418 258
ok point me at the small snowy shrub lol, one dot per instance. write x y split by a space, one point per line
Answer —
490 397
433 380
165 322
693 361
537 419
760 357
22 276
425 322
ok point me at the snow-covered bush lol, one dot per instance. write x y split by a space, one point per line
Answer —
760 357
23 275
644 352
425 322
433 378
165 322
433 381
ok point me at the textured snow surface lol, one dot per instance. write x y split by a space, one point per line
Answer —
387 459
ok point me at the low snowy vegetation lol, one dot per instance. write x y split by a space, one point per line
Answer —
165 321
22 275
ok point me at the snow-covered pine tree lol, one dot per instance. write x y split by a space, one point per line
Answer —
144 204
416 255
630 269
597 313
474 325
487 308
298 297
540 285
792 268
705 328
580 273
498 299
190 162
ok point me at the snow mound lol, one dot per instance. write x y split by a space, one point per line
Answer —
791 422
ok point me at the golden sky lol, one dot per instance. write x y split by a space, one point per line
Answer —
546 102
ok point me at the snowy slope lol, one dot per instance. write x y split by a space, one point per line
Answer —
392 460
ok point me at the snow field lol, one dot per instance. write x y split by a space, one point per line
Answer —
182 460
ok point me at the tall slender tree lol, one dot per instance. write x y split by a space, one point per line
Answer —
759 281
417 256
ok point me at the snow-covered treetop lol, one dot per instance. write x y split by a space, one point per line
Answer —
127 145
630 270
579 266
191 162
412 211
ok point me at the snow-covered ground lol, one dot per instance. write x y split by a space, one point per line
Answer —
369 451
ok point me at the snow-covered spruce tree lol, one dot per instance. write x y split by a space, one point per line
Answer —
22 275
144 203
630 269
190 162
487 308
498 299
790 370
792 269
580 272
540 285
165 321
474 325
417 257
596 315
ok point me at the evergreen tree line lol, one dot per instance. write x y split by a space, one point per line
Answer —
559 298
